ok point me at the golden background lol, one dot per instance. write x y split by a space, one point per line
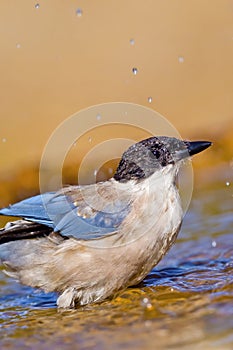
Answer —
57 60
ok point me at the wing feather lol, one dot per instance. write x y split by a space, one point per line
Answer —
74 211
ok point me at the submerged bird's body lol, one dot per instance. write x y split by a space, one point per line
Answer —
89 242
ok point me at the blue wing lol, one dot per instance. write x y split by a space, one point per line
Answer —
59 212
32 209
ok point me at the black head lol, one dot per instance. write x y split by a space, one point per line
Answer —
147 156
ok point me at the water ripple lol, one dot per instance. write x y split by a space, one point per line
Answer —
186 300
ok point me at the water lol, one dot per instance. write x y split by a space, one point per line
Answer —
132 42
135 71
181 59
79 12
186 302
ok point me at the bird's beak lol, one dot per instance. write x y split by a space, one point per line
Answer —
191 148
195 147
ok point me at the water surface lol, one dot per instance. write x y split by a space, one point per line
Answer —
186 302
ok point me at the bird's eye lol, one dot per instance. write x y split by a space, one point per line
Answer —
157 154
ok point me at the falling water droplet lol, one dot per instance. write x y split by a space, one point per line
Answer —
135 71
18 46
4 139
110 171
181 59
227 183
132 42
98 117
214 244
37 6
146 303
95 172
79 12
150 99
89 139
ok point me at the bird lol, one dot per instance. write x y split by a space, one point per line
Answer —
87 243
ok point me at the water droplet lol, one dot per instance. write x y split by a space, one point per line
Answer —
79 12
89 139
150 99
4 139
181 59
18 46
37 6
227 183
214 244
135 71
110 170
132 42
95 172
146 303
98 117
172 289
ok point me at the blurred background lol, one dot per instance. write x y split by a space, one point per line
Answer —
171 56
58 57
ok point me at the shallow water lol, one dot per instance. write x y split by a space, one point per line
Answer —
186 302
